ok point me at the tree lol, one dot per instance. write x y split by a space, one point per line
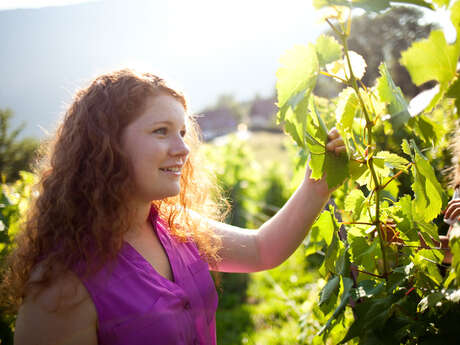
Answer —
15 155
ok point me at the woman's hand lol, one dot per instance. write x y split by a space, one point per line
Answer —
336 145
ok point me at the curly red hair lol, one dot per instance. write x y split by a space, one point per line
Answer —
79 214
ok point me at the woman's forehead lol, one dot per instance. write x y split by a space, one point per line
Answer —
162 108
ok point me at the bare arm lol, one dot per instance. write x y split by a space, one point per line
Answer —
246 250
74 321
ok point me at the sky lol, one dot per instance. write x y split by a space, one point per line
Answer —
205 47
50 48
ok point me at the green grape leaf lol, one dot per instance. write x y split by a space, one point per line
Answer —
332 253
429 301
336 169
347 285
354 203
432 59
362 251
406 209
356 169
393 96
393 160
341 69
455 18
454 89
321 161
347 108
406 148
429 195
370 315
296 78
426 261
292 128
367 288
329 295
323 228
328 49
425 128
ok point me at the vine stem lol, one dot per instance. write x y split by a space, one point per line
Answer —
370 163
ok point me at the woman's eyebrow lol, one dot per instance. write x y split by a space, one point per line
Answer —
165 122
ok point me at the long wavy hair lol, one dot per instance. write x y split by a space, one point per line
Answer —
78 214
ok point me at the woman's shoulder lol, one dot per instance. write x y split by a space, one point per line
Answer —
62 292
58 312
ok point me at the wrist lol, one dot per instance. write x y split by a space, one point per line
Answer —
317 189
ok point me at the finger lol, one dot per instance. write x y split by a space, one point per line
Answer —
333 144
455 213
340 149
333 133
451 207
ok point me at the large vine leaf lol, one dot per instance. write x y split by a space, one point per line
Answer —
341 69
296 79
405 213
432 59
324 162
392 160
328 49
329 294
347 285
362 251
393 96
429 194
354 203
347 108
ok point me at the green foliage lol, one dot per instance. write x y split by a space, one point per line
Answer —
432 59
15 155
14 200
380 38
378 249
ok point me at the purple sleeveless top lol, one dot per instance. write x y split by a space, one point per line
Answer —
136 305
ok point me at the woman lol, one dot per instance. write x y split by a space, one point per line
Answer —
119 242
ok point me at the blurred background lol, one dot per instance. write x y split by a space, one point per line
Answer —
224 55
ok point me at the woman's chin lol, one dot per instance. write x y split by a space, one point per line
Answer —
167 194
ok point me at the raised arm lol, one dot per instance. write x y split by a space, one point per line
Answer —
247 250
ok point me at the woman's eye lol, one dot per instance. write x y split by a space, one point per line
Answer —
162 130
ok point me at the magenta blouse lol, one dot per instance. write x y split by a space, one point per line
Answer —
136 305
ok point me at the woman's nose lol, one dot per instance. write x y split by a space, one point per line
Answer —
180 148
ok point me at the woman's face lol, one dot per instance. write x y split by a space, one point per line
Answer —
154 143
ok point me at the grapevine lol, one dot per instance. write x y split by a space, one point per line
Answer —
382 257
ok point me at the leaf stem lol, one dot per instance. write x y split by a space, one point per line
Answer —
358 223
396 176
369 273
333 76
